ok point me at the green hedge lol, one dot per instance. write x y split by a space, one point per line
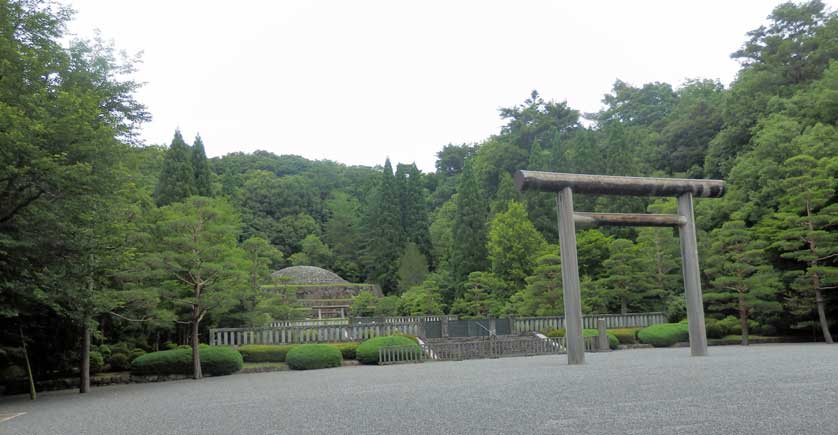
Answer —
613 342
367 352
120 362
265 352
625 335
313 356
215 361
664 334
347 350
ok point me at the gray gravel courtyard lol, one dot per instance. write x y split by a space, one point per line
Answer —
763 389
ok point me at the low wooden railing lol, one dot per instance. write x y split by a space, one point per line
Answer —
400 355
308 334
589 321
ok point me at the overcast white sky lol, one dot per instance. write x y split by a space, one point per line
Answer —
359 81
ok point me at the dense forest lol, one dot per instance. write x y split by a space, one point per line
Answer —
107 241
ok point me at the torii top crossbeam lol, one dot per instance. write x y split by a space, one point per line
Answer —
613 185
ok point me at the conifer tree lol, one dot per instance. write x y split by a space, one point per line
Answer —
468 247
384 232
741 279
543 295
506 192
513 244
200 168
176 181
414 213
629 281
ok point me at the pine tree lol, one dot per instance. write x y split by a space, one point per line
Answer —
543 295
481 296
414 213
384 232
200 168
629 281
741 280
804 230
176 181
468 247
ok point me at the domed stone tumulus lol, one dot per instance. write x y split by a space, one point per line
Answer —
307 275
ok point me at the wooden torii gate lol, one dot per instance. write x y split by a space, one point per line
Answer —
684 189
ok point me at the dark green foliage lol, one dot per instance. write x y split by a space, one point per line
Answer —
313 356
97 362
664 334
367 352
613 341
347 350
177 180
119 362
625 335
265 352
200 169
215 361
384 229
468 253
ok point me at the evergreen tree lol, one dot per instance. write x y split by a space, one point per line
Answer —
200 168
413 267
506 192
629 281
741 280
804 231
481 296
543 295
176 181
313 253
414 213
513 245
468 247
384 232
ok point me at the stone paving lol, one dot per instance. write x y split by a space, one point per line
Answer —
762 389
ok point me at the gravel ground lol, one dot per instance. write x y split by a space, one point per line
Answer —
763 389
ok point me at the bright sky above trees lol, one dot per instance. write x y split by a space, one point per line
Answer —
356 82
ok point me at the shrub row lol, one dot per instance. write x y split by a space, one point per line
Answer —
215 361
314 356
664 334
265 352
613 342
625 335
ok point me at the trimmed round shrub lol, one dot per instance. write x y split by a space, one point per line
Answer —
613 342
714 328
664 334
347 350
169 345
97 362
215 361
625 335
136 353
367 352
265 352
313 356
120 362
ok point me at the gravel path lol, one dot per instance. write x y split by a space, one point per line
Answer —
763 389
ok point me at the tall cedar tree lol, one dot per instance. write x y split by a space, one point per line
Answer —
177 180
468 247
384 233
414 211
742 281
200 168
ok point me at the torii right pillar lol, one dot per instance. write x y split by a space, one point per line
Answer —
564 185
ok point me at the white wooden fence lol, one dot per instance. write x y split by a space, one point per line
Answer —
630 320
308 334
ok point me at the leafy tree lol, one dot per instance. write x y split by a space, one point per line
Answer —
424 298
387 306
198 260
506 192
468 252
513 245
314 253
363 304
200 168
741 278
260 258
177 180
342 233
663 249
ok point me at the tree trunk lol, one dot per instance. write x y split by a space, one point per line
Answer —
32 393
84 370
196 354
827 337
743 318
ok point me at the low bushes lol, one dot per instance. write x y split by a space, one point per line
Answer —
664 334
625 335
367 352
613 342
347 350
265 352
97 362
119 362
215 361
313 356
